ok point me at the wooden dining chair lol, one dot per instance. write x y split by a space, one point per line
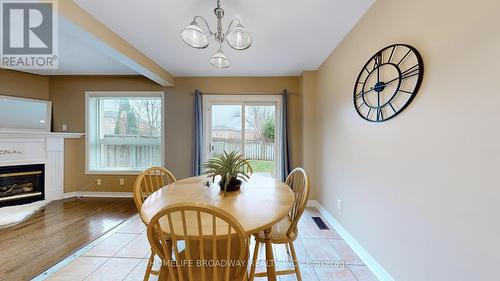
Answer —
215 244
146 183
286 231
150 181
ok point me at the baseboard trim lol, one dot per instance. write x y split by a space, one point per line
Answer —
372 264
98 194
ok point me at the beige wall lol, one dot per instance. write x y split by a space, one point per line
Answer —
420 192
68 96
25 85
308 88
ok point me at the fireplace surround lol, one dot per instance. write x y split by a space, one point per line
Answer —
20 152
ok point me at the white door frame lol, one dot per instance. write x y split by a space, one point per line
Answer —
243 100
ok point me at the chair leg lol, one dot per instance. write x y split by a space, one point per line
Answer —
149 266
254 261
295 262
287 249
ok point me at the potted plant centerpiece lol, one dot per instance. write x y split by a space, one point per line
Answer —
232 167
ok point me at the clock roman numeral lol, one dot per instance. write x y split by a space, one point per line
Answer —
361 105
369 111
393 109
377 60
406 92
358 95
380 114
392 53
410 72
407 53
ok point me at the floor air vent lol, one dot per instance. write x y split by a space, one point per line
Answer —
320 223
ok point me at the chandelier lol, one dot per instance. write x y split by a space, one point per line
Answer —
236 36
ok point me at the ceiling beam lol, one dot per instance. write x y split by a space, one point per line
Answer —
83 25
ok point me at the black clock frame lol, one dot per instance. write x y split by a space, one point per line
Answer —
401 75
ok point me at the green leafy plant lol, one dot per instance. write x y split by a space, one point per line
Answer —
268 130
230 166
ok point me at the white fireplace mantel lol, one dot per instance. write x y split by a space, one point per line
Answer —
26 148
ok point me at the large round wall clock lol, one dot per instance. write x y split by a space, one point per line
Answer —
388 82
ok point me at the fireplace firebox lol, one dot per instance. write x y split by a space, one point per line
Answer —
21 184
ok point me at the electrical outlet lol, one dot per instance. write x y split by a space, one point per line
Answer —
98 181
339 204
64 127
122 181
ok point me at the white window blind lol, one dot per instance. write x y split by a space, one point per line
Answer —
124 131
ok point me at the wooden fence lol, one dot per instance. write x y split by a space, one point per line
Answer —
254 150
141 156
132 156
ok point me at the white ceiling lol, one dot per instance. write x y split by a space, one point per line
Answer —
289 35
78 58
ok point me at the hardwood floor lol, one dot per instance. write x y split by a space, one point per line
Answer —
57 231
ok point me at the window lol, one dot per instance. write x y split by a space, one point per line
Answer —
124 131
249 124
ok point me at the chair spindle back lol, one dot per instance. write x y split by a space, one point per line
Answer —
150 181
216 246
299 183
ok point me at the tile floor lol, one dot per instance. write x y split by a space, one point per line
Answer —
323 255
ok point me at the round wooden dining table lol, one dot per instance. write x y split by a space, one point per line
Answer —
258 205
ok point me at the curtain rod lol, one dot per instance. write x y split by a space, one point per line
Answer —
241 94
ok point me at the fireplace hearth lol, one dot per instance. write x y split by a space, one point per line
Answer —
21 184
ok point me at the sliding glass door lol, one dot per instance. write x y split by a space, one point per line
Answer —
247 124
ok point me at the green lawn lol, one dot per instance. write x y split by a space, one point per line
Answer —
262 166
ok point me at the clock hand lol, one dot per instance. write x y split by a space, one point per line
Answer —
386 83
390 81
412 71
378 70
378 106
371 89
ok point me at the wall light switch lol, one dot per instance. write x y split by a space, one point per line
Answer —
339 204
64 127
98 181
122 181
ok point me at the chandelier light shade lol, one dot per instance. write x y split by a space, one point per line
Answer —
220 60
239 38
236 36
194 36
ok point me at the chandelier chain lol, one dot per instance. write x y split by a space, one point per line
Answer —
219 13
